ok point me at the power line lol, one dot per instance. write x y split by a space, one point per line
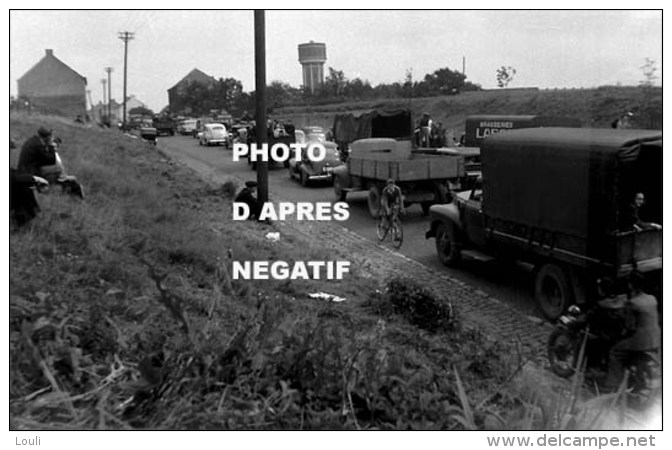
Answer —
125 36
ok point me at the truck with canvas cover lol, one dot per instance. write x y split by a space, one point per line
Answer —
560 198
478 127
381 148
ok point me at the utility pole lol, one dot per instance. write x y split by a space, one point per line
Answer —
464 65
125 36
109 96
104 81
260 93
88 93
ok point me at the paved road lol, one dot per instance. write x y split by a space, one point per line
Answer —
510 284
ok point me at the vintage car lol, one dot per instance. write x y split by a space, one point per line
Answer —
213 133
149 134
307 171
187 126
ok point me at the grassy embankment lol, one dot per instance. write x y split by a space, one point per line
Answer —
122 315
596 108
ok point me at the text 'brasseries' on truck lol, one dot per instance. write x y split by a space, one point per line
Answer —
561 199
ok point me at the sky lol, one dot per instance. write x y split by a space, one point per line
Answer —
547 48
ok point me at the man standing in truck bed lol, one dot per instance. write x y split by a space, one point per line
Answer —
425 129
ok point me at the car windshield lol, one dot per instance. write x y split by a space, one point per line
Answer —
217 128
315 137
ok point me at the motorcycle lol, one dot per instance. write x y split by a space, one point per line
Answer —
581 341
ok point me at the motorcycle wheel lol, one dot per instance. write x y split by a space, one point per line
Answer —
563 352
641 374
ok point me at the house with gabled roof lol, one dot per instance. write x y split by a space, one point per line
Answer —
54 87
176 99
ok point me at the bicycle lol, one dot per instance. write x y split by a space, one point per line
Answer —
383 227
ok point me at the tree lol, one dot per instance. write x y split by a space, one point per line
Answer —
649 70
444 82
357 89
141 111
505 76
334 83
280 94
226 92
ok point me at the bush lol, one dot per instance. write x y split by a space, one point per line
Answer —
419 305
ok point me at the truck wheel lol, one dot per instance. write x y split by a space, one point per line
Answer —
553 290
447 247
374 201
338 190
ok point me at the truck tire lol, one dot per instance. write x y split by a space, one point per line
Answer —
448 248
373 200
553 290
338 190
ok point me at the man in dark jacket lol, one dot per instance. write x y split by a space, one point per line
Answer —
23 206
646 336
246 196
37 153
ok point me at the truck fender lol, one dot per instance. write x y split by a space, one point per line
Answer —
448 214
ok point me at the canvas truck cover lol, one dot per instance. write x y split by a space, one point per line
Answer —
478 127
389 123
571 180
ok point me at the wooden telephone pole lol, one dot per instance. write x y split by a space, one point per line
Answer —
260 92
125 36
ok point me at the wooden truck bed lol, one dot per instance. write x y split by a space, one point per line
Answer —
418 167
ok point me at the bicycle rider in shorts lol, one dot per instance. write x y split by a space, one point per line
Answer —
391 200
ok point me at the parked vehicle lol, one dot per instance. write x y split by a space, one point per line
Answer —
479 127
556 197
214 133
164 125
149 134
187 127
271 140
307 171
373 159
600 328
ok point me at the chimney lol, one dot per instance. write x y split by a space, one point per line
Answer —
49 52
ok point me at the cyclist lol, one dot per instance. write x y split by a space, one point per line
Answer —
391 201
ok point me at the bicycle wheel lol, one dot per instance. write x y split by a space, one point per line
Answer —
382 228
397 234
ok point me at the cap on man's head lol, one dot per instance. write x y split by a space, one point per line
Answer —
390 181
44 132
250 184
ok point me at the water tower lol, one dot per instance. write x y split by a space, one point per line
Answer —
312 57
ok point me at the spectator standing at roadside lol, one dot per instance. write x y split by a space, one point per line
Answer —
624 122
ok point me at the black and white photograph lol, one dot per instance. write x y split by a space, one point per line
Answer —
263 220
